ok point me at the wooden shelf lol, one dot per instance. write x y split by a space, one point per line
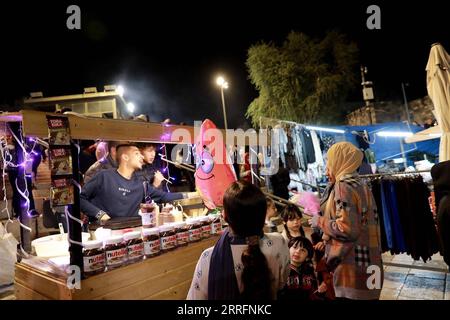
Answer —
167 276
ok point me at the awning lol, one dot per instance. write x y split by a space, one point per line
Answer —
427 134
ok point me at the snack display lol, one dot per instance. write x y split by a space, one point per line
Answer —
194 229
206 227
168 238
216 224
116 252
60 161
182 233
135 246
59 133
93 257
152 242
62 192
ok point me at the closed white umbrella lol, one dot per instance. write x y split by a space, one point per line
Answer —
438 86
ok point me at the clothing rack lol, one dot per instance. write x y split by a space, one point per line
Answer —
402 265
391 174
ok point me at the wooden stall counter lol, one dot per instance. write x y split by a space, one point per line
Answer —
165 277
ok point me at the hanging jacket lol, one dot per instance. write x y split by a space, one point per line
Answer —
399 242
386 217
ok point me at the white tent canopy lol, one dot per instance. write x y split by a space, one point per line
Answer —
427 134
438 86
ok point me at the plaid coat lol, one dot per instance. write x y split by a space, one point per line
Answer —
353 244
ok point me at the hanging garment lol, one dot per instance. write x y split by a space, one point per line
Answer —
376 191
317 149
308 146
282 142
298 148
292 163
386 218
328 141
413 216
397 232
425 230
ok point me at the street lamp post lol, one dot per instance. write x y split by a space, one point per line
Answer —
223 85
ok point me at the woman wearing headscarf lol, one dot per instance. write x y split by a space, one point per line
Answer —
350 228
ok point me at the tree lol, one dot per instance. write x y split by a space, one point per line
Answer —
305 80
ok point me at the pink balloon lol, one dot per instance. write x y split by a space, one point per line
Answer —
214 173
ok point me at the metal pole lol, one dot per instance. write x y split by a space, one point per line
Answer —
74 228
23 183
406 104
364 70
223 106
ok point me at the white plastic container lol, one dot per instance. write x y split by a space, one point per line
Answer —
54 246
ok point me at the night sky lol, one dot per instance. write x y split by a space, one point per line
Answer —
167 54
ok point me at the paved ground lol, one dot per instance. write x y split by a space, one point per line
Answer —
411 283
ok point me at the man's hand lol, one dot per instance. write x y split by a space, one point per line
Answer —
158 178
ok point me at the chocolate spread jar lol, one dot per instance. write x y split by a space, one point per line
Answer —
135 246
216 224
206 227
168 238
182 233
152 242
93 257
116 252
194 229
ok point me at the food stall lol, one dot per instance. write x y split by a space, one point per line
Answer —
165 276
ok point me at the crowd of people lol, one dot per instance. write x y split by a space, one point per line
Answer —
264 255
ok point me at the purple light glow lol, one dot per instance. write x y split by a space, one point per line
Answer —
165 137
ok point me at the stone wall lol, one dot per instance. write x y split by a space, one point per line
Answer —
392 111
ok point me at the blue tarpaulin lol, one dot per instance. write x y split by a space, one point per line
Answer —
386 148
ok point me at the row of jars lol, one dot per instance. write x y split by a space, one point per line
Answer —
116 251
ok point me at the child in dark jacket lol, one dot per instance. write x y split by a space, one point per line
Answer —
323 274
302 282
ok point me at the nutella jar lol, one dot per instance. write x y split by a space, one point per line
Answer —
93 257
206 227
194 229
135 246
182 233
116 252
152 242
148 214
168 238
216 224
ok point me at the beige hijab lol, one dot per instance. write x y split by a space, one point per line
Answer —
343 158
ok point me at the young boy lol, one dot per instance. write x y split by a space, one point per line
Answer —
302 282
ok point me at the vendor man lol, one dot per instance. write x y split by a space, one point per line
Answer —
149 172
118 192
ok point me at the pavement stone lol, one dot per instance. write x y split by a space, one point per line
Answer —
428 274
423 288
389 294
